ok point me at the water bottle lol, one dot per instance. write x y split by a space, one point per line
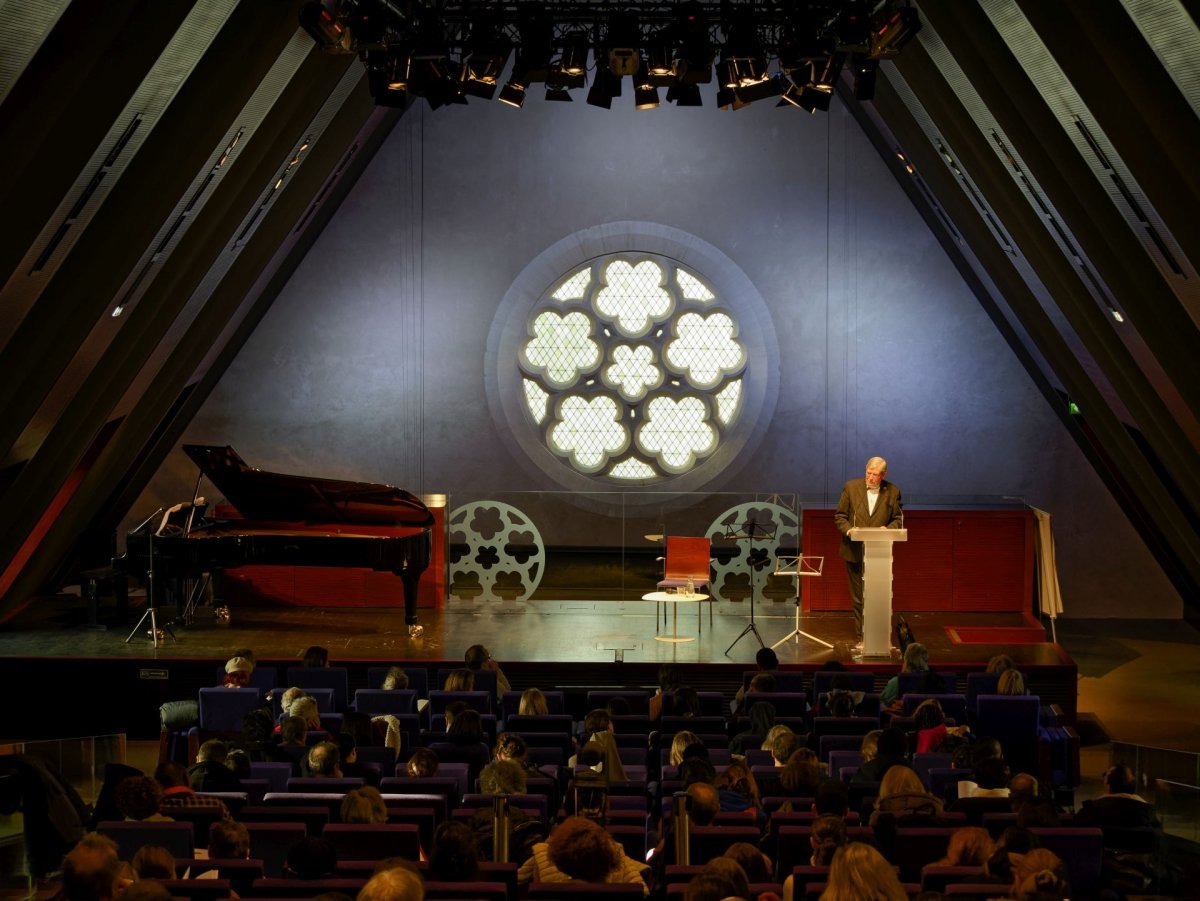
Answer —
691 586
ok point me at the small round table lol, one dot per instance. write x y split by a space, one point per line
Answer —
670 597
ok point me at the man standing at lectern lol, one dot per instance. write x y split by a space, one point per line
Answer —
871 502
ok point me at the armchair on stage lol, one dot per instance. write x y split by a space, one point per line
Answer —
877 587
687 560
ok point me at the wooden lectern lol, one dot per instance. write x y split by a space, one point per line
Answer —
877 587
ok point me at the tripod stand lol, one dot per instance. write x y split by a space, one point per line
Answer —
750 533
805 566
151 613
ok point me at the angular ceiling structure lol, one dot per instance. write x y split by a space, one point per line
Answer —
166 165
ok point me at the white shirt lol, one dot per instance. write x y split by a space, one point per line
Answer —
872 500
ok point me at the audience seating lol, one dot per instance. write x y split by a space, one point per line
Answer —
222 709
980 684
476 700
954 706
340 785
376 701
915 846
276 774
264 678
312 816
1081 849
269 842
372 841
484 679
976 808
583 891
314 677
910 683
272 887
240 873
794 847
197 889
325 698
178 838
510 703
639 701
475 891
1013 721
935 878
418 678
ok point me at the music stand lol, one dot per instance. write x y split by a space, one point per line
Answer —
800 566
151 611
750 532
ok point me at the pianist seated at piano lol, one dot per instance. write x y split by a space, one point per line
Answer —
274 519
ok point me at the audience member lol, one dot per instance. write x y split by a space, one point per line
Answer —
347 745
1038 813
695 768
153 862
969 846
478 657
237 672
668 682
465 743
891 747
177 793
453 709
237 762
395 680
293 732
859 872
722 877
686 702
704 803
832 798
316 657
599 750
310 858
1021 788
1011 682
364 805
209 773
502 777
139 798
1120 805
916 660
869 749
579 850
228 840
999 664
460 679
618 706
682 741
802 775
455 855
828 835
903 798
287 699
842 696
423 764
783 746
306 708
767 661
1038 876
738 792
755 864
91 870
762 718
989 780
395 883
533 703
932 732
323 761
1013 842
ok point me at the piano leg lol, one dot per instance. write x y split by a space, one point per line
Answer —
410 578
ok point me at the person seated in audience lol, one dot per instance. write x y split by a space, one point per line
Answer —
460 679
738 793
306 709
932 732
704 803
827 836
802 775
396 883
722 877
465 743
999 664
316 657
92 870
903 799
1011 682
147 891
755 864
1021 788
891 747
310 858
352 767
502 777
287 699
618 706
237 672
479 657
533 703
228 840
1120 805
762 718
599 749
506 777
396 679
453 709
1038 876
696 768
842 694
869 749
455 855
364 805
139 798
915 660
782 746
686 702
579 850
831 799
858 872
682 741
177 793
238 763
1038 813
423 764
1014 842
323 761
668 682
767 661
293 741
153 862
969 846
989 780
209 773
257 738
763 684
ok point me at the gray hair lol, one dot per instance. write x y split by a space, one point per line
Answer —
877 461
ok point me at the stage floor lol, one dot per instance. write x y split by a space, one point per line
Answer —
530 632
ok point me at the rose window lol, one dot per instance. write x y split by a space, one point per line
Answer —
632 369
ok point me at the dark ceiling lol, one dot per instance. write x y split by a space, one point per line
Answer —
174 162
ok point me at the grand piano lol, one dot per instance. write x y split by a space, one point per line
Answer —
287 520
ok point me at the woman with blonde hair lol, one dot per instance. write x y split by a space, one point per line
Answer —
916 660
827 836
533 703
459 680
969 846
860 873
364 805
1011 682
902 795
306 709
681 742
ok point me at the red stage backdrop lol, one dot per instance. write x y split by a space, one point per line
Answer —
318 586
968 560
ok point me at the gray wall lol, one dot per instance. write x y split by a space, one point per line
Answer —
371 363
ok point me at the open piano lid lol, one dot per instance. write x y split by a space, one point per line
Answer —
288 498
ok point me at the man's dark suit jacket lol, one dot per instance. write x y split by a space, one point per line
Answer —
852 513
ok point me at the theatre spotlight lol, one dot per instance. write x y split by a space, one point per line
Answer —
623 41
684 94
388 74
327 27
645 97
658 65
487 51
743 62
572 64
760 90
513 94
557 93
605 85
537 40
892 27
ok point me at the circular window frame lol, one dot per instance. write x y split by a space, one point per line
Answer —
503 378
